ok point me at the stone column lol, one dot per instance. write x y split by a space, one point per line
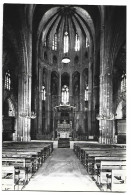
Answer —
24 108
107 135
48 100
24 88
95 98
59 90
20 107
106 130
81 92
39 113
95 122
81 106
90 100
70 89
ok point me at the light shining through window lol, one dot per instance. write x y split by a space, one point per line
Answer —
65 94
77 43
66 42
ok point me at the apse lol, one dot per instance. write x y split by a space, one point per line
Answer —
63 33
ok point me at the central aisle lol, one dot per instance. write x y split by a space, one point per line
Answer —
62 171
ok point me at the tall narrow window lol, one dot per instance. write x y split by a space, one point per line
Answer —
43 93
11 111
66 42
54 42
45 43
7 80
77 43
87 42
43 38
65 94
123 83
86 93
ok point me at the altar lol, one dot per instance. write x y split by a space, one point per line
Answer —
64 121
64 129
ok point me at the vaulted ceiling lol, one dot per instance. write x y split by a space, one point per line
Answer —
67 18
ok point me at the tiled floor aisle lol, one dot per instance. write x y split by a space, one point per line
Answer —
62 172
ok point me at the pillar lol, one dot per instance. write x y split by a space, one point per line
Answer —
48 100
106 117
90 133
81 106
59 90
70 89
24 88
39 112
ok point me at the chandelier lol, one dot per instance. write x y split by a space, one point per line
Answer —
104 117
32 115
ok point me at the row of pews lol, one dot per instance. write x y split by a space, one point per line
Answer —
20 160
106 164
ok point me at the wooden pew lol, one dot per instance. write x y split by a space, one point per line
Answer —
95 161
34 156
46 149
43 152
97 151
89 156
106 167
9 179
83 150
77 146
22 164
116 182
25 156
30 144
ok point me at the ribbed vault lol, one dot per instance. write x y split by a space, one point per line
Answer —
72 18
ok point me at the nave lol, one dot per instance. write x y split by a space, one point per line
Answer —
64 86
62 171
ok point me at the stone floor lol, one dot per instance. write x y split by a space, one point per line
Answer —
62 171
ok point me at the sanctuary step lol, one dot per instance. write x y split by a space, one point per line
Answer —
63 143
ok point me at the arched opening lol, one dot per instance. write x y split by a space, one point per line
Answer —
119 94
9 121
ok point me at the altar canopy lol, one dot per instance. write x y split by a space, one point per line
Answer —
64 121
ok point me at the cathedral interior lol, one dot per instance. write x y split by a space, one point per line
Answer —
64 74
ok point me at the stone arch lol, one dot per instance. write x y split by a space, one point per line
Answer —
65 79
76 83
54 83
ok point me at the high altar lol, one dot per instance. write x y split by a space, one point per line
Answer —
64 121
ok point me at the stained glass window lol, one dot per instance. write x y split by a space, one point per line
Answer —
54 42
123 83
86 93
77 43
66 42
87 42
7 80
65 94
43 93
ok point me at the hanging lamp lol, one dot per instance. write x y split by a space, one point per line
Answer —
66 58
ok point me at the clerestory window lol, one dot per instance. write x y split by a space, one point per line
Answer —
66 42
54 42
77 43
87 42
